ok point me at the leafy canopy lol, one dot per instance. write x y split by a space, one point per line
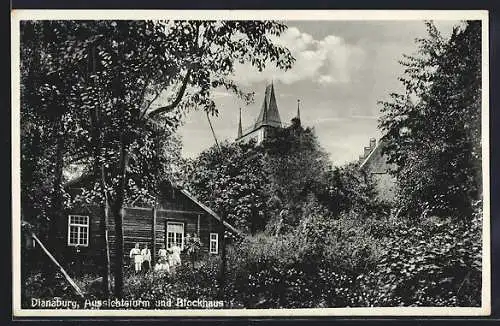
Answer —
433 130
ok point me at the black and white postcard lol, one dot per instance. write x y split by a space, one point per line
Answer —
250 163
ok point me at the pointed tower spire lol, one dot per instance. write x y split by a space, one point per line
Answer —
298 108
269 114
240 131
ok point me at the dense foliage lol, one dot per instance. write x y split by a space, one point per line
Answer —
90 94
437 263
433 130
233 182
296 165
348 189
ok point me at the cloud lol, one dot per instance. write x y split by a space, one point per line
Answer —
325 61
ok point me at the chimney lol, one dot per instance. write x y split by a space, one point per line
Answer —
367 151
373 143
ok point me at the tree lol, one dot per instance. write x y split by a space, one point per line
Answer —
296 165
234 183
347 189
47 128
433 131
129 64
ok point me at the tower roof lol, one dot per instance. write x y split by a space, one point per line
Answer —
269 114
240 130
298 109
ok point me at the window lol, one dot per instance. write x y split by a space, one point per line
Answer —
214 243
175 234
78 230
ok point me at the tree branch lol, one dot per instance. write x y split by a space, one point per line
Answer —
176 102
157 94
143 92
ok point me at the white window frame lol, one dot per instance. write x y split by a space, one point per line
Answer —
183 233
79 226
216 241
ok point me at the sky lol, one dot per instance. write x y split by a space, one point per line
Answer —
342 69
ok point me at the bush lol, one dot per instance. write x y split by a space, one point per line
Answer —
38 285
185 282
315 266
152 287
436 263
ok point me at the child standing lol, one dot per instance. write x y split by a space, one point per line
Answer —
146 258
176 255
136 257
162 264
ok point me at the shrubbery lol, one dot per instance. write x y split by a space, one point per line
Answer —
38 286
436 263
343 262
185 282
314 266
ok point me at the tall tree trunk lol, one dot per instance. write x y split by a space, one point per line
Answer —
30 97
106 268
118 213
56 212
119 198
100 173
28 168
56 215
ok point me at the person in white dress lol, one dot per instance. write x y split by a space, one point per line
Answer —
136 257
176 255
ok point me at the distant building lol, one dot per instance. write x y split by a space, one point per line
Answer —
375 164
267 122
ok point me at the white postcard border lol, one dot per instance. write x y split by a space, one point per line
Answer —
286 15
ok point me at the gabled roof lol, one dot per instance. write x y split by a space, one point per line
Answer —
269 114
377 148
376 161
209 211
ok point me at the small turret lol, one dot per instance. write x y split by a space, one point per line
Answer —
298 109
240 130
296 119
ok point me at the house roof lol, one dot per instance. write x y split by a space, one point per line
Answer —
209 210
370 155
376 161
